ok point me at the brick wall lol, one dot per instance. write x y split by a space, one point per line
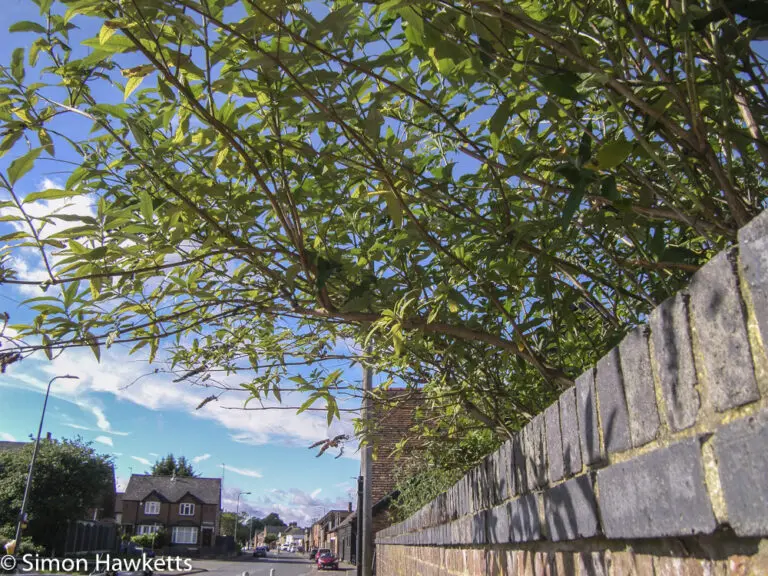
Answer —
393 415
655 462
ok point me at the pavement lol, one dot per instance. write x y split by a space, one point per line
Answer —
284 564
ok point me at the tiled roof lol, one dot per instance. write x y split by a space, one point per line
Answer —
207 490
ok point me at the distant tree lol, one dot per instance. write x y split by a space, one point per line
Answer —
269 538
273 519
68 475
227 527
170 466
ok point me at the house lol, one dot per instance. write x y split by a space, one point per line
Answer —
324 530
261 538
294 536
187 509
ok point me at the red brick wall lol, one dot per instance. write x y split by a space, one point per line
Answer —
393 417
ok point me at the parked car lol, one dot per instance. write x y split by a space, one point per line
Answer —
260 552
312 553
326 561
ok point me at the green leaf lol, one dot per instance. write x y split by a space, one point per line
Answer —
394 209
561 84
106 33
94 344
47 347
145 205
22 165
572 203
51 194
17 64
613 153
308 403
113 45
500 118
26 26
131 85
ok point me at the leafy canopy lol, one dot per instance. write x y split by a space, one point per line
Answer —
483 196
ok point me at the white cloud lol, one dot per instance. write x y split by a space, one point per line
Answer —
104 440
117 454
81 427
198 459
5 437
243 471
116 374
316 493
154 454
142 460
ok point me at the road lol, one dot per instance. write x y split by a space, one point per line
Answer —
284 565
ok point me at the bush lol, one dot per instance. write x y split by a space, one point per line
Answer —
143 540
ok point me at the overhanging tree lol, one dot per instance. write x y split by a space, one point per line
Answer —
486 195
69 478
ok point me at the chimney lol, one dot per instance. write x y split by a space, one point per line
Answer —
349 506
48 436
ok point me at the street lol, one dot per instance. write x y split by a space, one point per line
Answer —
285 564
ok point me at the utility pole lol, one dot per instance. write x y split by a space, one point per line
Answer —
22 512
359 536
366 463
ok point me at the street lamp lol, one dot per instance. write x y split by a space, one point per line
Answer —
237 513
22 513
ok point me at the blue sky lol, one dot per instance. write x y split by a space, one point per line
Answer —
137 421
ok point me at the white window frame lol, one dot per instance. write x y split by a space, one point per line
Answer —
147 529
151 508
186 509
184 535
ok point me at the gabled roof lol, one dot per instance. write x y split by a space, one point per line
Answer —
173 489
295 531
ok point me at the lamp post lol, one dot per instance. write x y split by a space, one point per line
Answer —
22 512
237 513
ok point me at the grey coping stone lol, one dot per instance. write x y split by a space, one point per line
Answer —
756 228
499 529
722 334
535 448
515 521
614 419
518 464
741 449
638 386
569 426
554 442
753 257
587 412
658 494
505 471
673 353
571 509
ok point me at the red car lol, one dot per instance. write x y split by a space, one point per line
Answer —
327 560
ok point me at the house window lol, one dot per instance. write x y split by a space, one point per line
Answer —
151 508
184 535
148 529
186 509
